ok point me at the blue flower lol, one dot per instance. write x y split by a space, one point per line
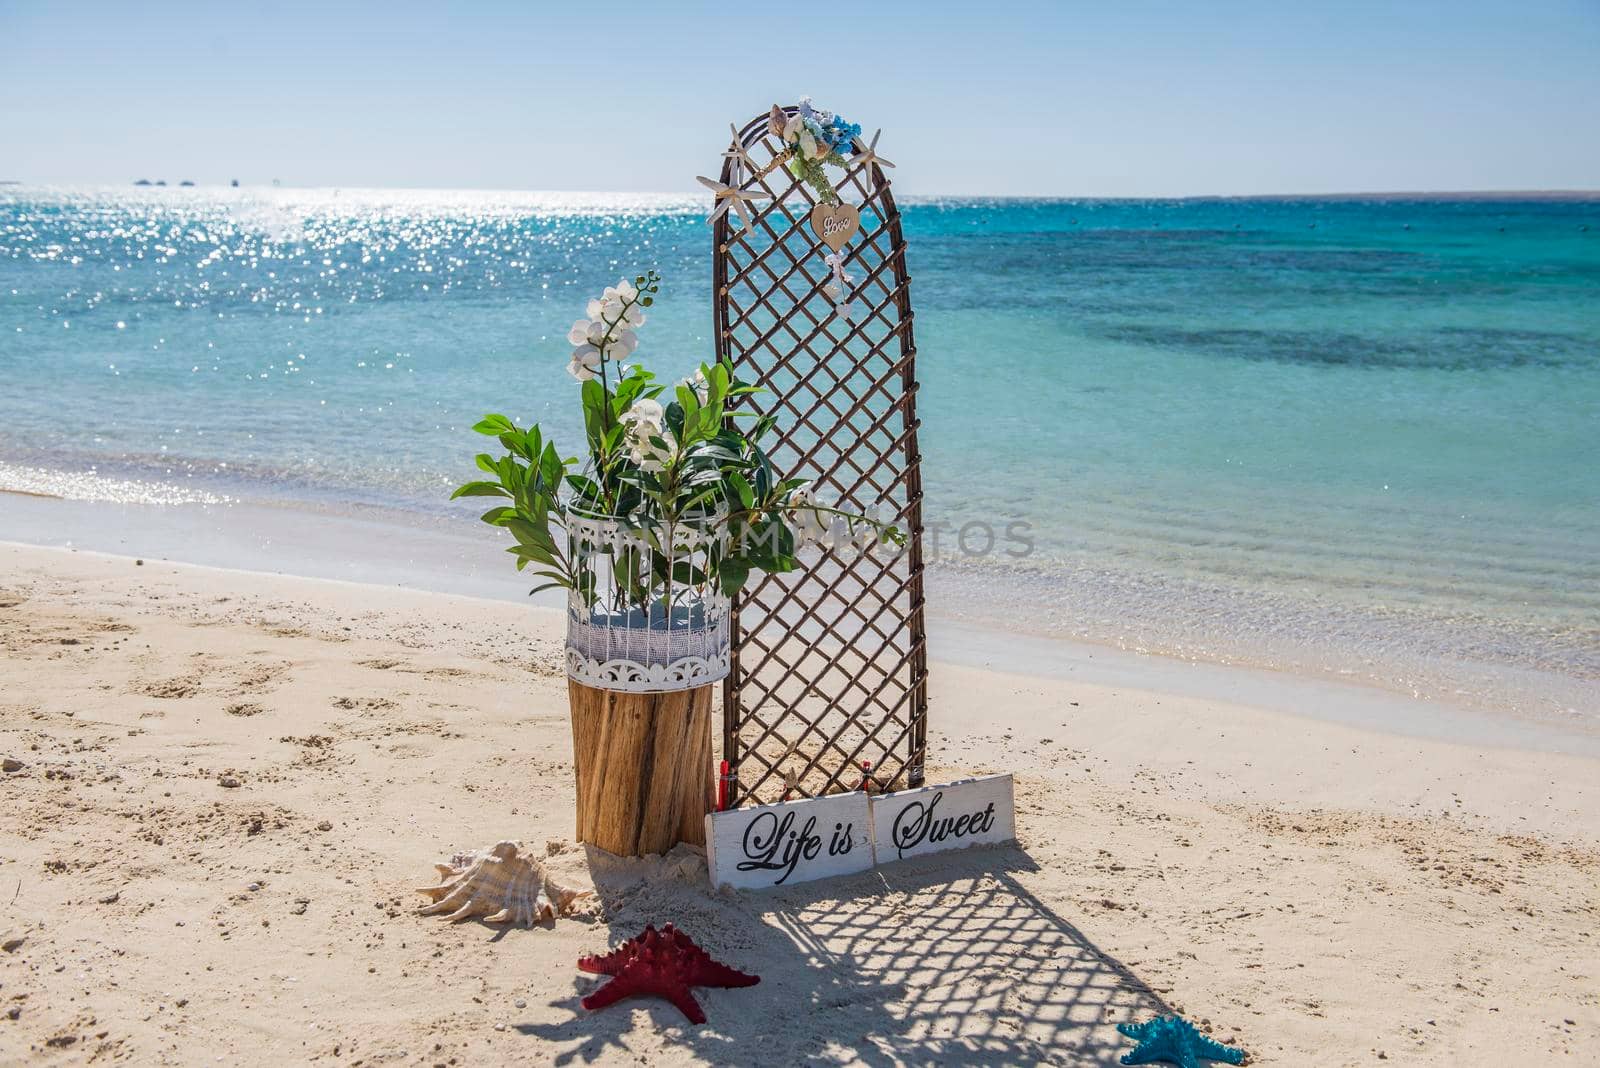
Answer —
842 130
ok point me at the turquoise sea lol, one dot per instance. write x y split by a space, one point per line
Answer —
1356 436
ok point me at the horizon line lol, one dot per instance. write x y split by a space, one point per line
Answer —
1436 194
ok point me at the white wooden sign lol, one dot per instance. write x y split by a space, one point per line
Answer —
794 842
932 819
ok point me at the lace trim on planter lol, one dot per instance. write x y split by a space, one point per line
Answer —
633 677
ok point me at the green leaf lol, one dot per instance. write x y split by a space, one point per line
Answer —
732 576
689 401
686 574
594 409
741 487
513 443
550 586
551 468
480 489
532 537
627 391
707 476
536 554
764 474
495 425
585 486
715 451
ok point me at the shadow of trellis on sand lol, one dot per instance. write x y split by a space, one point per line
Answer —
939 960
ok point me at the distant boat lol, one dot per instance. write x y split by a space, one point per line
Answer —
186 182
143 181
236 183
161 181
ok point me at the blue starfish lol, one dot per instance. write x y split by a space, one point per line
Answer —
1172 1038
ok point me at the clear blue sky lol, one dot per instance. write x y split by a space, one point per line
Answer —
1106 98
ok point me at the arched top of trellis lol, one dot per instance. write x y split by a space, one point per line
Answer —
830 663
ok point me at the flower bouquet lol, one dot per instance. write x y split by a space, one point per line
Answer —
814 137
673 508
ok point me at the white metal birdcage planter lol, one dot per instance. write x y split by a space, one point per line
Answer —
640 623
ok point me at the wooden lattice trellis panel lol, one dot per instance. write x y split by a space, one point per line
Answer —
830 663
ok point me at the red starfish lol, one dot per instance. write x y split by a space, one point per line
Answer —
665 963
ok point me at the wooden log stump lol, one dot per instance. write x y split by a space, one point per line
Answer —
643 763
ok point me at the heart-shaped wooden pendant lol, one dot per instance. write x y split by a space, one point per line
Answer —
835 224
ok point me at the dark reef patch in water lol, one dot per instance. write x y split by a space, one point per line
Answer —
1445 349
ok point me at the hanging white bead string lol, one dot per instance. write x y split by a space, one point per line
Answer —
838 290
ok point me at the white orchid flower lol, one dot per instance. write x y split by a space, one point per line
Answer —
585 361
645 419
698 383
608 333
585 332
808 144
650 456
808 524
623 342
644 410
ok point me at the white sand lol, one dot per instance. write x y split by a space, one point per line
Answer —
1320 892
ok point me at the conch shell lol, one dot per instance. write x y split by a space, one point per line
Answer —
776 120
502 885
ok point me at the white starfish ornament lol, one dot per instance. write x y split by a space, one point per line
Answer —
725 196
866 157
740 157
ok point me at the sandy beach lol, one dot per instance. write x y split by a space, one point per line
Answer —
1315 891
